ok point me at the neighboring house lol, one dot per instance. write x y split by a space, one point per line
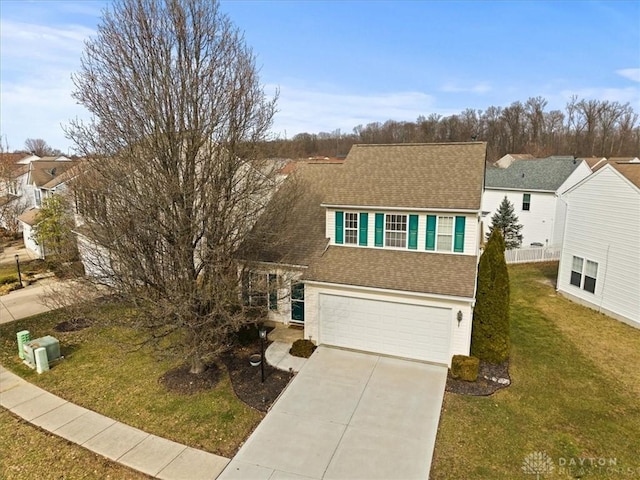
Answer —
379 254
44 178
600 262
533 187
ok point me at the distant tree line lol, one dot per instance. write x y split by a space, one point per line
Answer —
586 128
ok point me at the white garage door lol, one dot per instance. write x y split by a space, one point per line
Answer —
411 331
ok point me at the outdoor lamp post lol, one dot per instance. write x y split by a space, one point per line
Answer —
263 336
17 257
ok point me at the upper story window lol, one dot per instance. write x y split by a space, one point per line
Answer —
395 231
526 202
445 234
351 228
38 195
13 188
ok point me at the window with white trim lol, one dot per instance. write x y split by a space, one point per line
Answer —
526 202
261 290
584 274
395 231
38 195
590 275
445 234
351 228
13 188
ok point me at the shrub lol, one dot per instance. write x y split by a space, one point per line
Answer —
10 278
465 368
302 348
490 331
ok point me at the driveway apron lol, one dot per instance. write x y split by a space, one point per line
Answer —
348 415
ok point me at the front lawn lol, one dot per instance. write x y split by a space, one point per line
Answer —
103 371
575 395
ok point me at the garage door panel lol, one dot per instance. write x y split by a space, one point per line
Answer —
413 331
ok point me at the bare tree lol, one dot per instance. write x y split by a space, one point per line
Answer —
173 180
39 147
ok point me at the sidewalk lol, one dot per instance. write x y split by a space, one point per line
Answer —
121 443
24 302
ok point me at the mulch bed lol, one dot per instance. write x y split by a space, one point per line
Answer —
73 325
180 380
246 380
485 385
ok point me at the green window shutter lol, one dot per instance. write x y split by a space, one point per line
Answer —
413 232
364 229
431 232
458 245
339 227
379 240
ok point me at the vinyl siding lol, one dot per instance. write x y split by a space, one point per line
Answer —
603 225
537 223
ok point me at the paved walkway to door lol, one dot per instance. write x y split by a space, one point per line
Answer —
348 415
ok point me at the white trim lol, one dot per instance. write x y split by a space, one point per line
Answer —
390 291
405 231
520 189
382 209
607 167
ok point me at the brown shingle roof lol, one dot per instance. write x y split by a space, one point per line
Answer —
29 217
48 174
630 170
447 176
292 229
434 273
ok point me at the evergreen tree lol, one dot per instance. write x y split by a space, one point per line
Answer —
506 220
490 332
53 229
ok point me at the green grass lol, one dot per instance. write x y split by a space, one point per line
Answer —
574 395
28 452
105 372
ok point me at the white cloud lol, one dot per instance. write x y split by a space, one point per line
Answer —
37 63
479 88
622 95
630 73
310 110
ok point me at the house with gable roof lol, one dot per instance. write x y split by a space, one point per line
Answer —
44 178
379 254
534 186
600 261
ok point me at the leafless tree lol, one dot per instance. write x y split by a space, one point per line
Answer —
39 147
174 179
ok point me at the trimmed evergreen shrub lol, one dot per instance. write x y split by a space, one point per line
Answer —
490 331
302 348
465 368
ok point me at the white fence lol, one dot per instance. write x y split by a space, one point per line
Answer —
533 254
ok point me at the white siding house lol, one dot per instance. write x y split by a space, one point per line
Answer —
600 262
534 187
382 251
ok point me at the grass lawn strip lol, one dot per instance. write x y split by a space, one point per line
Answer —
565 400
29 452
102 371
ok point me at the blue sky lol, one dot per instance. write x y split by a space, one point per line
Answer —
340 64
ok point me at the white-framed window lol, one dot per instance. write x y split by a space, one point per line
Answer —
526 202
584 274
445 234
351 228
38 195
395 231
576 271
590 275
261 290
13 188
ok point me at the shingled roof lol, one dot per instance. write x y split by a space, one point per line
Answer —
48 174
292 229
434 273
631 170
418 176
545 174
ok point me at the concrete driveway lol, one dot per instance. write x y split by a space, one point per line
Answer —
348 415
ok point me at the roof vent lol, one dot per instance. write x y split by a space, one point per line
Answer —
53 171
523 175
